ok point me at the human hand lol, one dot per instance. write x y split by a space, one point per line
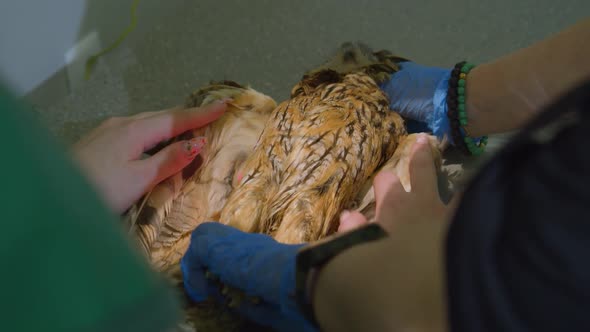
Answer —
419 93
394 205
110 155
253 263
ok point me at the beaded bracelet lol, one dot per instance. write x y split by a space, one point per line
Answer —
452 106
457 113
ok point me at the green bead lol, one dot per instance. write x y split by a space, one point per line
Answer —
476 149
461 108
463 122
461 83
461 91
461 99
467 68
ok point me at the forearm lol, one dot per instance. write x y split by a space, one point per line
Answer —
504 94
392 284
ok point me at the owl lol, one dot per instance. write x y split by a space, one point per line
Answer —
286 170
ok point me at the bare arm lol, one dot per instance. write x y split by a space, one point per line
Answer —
396 283
504 94
399 283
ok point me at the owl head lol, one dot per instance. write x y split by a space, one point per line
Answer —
350 58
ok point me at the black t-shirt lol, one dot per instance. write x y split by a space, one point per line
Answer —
518 250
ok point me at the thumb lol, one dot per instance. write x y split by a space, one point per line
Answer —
350 220
172 159
423 175
388 191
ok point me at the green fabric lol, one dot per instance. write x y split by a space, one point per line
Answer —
66 265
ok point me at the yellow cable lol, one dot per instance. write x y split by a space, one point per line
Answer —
94 58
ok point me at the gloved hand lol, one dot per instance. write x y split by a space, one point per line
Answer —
419 93
253 263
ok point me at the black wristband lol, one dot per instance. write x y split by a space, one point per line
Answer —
311 258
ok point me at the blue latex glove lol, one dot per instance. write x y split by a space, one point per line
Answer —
419 93
253 263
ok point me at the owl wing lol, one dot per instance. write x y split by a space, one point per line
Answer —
163 220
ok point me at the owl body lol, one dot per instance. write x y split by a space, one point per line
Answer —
288 170
316 148
164 219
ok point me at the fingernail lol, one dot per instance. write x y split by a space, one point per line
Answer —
195 145
422 139
344 214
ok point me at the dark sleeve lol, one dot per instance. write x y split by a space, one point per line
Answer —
66 264
518 250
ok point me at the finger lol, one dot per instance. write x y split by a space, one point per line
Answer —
171 160
152 130
213 229
144 115
350 220
211 243
196 284
389 191
195 260
422 170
